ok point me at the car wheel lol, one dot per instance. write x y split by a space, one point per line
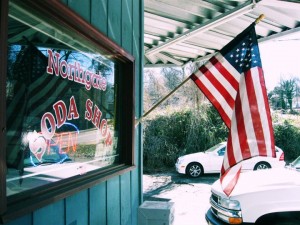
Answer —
194 170
262 166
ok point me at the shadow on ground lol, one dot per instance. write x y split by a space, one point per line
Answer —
154 184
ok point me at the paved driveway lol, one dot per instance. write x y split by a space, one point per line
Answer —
190 195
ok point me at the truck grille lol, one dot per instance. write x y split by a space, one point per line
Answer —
214 211
215 198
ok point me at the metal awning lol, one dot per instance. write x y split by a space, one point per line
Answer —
180 31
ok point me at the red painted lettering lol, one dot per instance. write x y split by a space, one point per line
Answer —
79 75
88 78
72 70
73 112
89 111
63 69
96 77
48 132
101 83
53 62
97 116
108 139
60 113
103 128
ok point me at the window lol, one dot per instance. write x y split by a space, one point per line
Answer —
69 103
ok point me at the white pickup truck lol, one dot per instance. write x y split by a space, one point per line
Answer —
264 197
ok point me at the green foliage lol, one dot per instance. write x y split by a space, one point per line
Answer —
84 151
167 137
282 96
287 137
164 137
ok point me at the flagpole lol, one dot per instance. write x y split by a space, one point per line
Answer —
137 121
260 18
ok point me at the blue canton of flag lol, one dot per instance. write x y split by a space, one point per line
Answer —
245 55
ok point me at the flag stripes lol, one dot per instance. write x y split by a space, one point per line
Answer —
254 128
252 124
264 112
219 82
229 179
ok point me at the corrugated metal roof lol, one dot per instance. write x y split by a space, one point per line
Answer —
180 31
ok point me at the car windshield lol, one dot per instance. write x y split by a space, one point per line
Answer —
214 147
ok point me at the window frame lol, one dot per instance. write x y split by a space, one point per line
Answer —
11 207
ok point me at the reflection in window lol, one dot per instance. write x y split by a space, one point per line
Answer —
61 107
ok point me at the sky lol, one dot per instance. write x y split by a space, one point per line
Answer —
280 59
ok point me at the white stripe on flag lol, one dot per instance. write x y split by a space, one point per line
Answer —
229 67
222 79
225 161
248 122
262 111
236 148
217 95
229 179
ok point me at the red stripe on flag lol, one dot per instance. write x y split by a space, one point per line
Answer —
230 153
267 106
231 184
222 169
228 76
242 134
212 99
222 90
255 114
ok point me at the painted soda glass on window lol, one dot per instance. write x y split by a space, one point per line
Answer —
61 106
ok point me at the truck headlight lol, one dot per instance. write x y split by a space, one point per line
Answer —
230 204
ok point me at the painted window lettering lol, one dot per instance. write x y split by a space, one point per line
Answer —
67 86
65 115
74 72
62 114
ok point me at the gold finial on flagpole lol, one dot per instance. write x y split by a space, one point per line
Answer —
261 17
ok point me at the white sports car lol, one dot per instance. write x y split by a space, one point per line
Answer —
210 161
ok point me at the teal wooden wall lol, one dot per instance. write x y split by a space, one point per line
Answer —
116 201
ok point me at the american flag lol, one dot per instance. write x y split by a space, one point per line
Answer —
233 82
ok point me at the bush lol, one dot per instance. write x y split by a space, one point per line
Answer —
287 137
164 136
167 137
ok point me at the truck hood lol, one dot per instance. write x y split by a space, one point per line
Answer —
261 180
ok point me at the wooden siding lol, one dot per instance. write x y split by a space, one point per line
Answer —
115 201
